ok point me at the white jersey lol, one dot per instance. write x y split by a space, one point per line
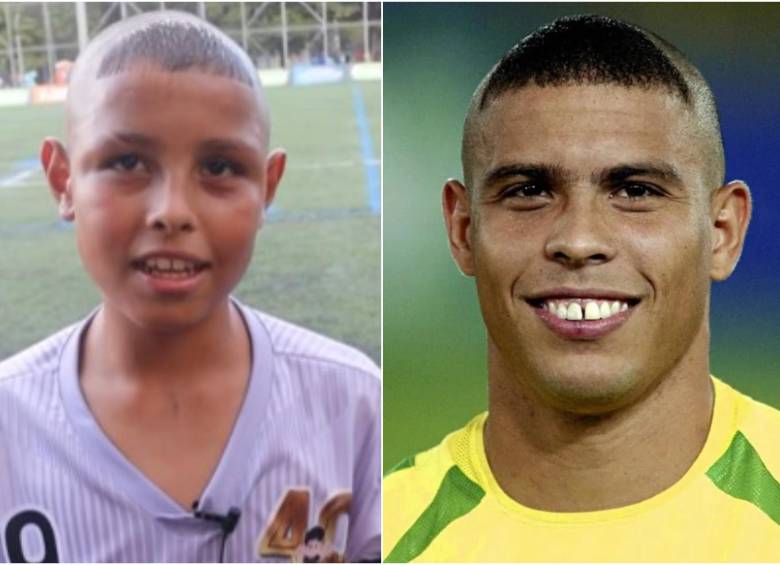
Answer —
302 465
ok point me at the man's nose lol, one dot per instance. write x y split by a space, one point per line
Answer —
581 235
170 208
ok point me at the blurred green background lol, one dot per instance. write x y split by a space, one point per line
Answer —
316 261
435 54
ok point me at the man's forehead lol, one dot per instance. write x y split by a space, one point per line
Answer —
582 100
584 130
531 115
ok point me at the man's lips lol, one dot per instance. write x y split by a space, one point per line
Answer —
584 314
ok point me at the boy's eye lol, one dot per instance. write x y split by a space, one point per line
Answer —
219 167
126 163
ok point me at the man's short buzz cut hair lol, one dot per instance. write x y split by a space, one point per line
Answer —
591 49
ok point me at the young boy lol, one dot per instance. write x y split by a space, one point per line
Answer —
174 423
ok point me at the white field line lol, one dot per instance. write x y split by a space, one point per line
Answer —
18 179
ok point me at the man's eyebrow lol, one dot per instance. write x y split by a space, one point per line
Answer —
533 171
619 173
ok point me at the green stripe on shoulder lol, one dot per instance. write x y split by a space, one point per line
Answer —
404 463
741 473
457 495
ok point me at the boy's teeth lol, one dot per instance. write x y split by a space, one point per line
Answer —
578 309
165 265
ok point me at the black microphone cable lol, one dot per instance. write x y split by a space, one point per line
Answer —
227 523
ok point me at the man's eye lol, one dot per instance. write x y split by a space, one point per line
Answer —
128 163
529 190
219 167
636 191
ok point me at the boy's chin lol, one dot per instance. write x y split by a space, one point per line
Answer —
171 318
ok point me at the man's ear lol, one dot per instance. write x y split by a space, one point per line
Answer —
56 166
456 206
730 216
275 164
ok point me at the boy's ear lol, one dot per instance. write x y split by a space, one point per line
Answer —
56 166
273 174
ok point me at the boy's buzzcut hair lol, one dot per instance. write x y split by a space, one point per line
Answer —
177 44
590 49
171 41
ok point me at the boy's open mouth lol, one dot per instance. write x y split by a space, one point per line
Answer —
169 267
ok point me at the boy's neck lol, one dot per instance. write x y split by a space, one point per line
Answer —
116 348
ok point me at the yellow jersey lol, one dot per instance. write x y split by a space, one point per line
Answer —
445 505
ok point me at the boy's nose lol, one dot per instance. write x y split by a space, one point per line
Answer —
170 211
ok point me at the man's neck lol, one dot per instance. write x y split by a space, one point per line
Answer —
554 460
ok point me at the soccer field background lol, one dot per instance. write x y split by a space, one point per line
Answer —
434 57
316 261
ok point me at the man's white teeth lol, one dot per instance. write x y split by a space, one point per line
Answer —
585 309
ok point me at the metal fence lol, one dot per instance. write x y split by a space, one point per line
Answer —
34 36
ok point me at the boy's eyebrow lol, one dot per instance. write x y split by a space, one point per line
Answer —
132 138
220 144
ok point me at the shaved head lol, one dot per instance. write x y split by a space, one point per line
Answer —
170 41
582 50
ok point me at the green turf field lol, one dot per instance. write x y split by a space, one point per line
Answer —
317 260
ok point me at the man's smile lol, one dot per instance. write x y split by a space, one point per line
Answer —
583 314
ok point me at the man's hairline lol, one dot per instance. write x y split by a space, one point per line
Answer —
478 107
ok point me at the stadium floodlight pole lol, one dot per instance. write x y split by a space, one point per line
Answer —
366 50
283 6
242 7
81 25
50 55
324 32
9 45
19 52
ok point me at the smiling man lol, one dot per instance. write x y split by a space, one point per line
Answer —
593 217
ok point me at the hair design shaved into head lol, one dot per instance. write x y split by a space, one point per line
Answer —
171 41
178 45
596 50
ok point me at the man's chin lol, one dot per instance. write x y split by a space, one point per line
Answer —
590 391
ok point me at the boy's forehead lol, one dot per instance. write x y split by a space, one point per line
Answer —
162 105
